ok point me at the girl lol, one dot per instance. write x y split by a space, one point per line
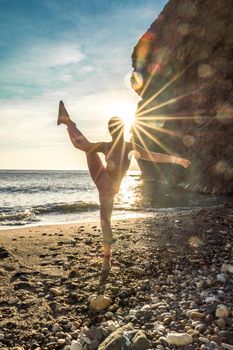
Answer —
108 178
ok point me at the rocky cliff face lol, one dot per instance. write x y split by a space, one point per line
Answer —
183 71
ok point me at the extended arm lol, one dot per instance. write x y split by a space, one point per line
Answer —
142 153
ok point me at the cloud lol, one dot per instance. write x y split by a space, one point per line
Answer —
66 54
49 55
35 68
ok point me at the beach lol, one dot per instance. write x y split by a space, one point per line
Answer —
170 272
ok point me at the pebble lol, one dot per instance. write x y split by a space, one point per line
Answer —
179 339
226 336
55 291
2 336
112 326
220 323
195 315
146 308
221 277
99 302
51 345
86 340
222 311
172 296
215 338
227 268
75 345
210 300
204 340
140 341
213 345
56 328
138 270
227 346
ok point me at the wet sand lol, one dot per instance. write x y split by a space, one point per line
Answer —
175 260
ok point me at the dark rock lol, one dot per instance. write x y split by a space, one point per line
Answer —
140 342
3 253
226 337
118 339
183 70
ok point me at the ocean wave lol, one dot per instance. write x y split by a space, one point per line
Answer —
65 207
39 189
17 218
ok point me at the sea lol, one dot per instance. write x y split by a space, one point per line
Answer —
38 197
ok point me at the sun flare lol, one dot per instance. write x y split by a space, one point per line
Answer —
125 109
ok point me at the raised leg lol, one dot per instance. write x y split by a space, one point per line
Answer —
94 162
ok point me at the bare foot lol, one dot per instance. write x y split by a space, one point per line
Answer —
106 264
63 116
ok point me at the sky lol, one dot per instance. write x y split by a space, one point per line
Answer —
78 51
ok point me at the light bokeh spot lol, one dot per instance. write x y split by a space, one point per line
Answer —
195 241
205 71
225 114
184 28
223 168
188 140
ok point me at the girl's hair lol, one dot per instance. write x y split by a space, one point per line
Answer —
115 126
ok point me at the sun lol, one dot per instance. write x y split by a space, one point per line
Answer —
125 109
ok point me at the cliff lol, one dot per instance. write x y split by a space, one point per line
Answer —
183 71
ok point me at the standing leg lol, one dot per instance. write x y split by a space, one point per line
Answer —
106 206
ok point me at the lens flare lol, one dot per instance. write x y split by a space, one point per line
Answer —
136 80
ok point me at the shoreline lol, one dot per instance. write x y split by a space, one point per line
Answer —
137 215
128 215
164 267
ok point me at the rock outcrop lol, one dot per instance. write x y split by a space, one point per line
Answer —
183 70
125 338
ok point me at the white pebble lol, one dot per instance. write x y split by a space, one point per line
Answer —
172 296
227 346
138 270
112 326
210 300
56 327
227 268
86 340
204 340
55 291
67 347
179 339
161 328
76 345
146 307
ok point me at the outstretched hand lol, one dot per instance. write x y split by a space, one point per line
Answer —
183 162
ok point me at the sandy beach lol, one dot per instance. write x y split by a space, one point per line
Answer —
173 263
